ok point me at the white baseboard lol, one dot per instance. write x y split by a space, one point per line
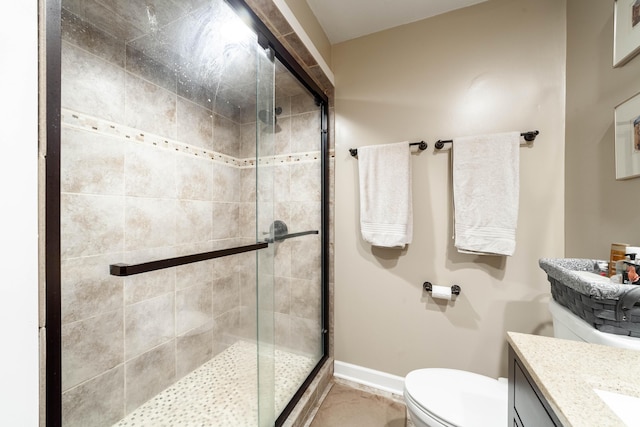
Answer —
369 377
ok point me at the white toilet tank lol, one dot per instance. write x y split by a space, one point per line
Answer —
567 325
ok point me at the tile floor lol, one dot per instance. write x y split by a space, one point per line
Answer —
347 404
222 392
343 403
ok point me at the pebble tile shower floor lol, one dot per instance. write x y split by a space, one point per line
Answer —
222 392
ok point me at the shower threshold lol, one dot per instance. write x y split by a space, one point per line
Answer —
222 392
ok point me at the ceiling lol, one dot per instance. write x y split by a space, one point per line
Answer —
348 19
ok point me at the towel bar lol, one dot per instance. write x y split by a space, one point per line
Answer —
421 145
528 136
122 269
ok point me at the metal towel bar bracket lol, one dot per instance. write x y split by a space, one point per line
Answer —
428 287
528 136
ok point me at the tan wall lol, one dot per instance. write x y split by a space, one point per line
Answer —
312 27
599 209
496 66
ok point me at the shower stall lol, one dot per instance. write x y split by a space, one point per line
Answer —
186 216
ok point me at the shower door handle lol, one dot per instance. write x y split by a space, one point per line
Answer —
290 236
131 269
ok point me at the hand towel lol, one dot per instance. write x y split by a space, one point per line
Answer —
386 207
486 184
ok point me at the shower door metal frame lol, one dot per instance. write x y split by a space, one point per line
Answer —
52 45
52 275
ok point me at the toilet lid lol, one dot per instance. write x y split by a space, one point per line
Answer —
459 398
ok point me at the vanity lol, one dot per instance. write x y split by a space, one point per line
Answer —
557 382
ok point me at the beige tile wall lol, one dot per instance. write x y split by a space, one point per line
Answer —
123 202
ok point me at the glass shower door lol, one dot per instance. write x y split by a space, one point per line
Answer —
165 117
298 267
265 205
289 215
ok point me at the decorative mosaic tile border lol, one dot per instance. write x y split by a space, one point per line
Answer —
88 123
222 392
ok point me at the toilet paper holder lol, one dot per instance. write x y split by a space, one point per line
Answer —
455 289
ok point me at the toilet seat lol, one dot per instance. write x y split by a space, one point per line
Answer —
458 398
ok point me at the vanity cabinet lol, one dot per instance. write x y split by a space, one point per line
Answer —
527 406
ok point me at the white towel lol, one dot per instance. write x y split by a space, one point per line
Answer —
386 208
486 186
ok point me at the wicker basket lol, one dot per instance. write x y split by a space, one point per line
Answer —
601 313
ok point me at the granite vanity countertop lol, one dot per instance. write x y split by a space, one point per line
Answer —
567 372
568 272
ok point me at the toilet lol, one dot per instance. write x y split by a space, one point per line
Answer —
437 397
